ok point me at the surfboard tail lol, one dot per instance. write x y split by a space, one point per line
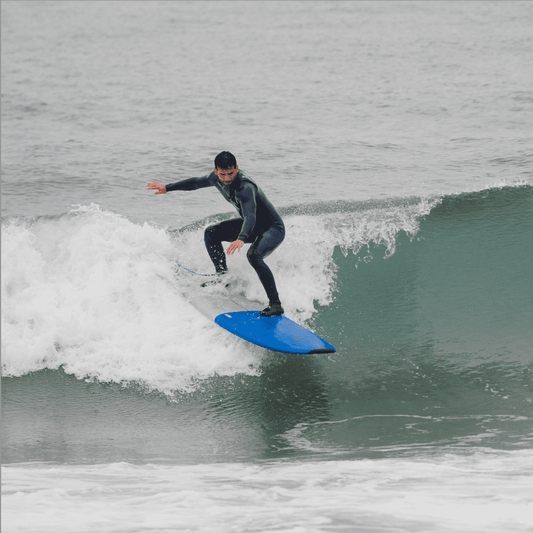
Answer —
322 351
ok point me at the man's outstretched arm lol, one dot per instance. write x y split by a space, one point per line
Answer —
190 184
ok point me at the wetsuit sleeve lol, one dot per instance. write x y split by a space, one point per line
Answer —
191 184
248 203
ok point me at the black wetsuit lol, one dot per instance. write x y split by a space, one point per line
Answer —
259 224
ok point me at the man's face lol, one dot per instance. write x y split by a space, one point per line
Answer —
226 176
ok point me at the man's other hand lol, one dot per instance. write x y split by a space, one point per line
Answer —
159 188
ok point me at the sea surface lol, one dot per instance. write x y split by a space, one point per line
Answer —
396 140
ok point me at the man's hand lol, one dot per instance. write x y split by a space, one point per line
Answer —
235 245
159 188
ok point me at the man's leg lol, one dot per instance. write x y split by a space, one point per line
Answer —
262 247
227 231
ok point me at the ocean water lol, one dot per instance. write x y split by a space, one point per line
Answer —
395 139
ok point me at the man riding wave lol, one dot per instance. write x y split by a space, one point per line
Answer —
259 222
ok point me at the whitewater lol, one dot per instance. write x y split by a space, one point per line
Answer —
77 270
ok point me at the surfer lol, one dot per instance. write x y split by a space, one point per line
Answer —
260 223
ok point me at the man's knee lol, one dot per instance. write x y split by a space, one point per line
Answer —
210 232
254 257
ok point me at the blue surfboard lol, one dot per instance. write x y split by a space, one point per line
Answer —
277 333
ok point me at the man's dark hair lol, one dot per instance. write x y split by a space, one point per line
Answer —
225 160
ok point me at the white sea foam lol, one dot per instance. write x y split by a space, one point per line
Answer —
435 493
97 294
